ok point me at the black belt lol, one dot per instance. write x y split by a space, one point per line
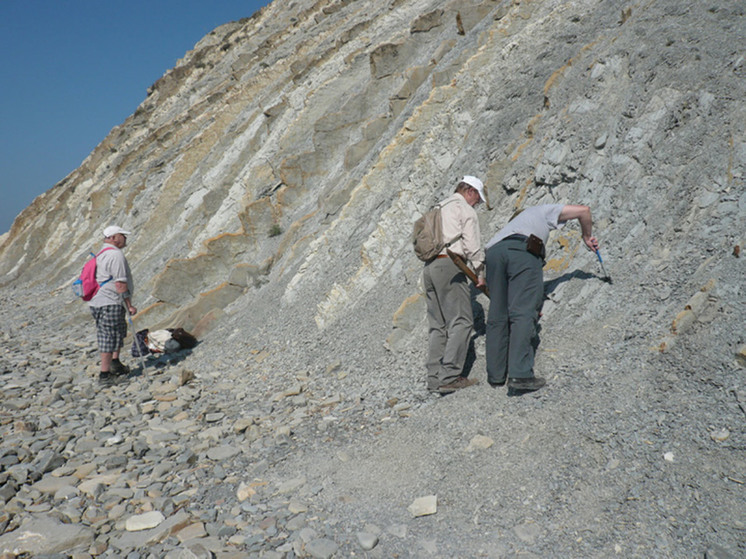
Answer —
535 247
516 237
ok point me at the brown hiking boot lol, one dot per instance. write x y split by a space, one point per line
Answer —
460 382
520 385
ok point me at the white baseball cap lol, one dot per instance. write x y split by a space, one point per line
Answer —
112 230
476 183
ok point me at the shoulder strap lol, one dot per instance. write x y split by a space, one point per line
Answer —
104 250
446 202
99 254
441 205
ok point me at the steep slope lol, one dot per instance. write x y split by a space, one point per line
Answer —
272 178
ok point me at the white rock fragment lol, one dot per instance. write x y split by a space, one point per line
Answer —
668 456
242 424
283 431
367 540
292 391
237 539
114 440
720 435
244 492
479 442
424 506
296 507
144 521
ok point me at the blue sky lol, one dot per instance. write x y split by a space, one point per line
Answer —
72 70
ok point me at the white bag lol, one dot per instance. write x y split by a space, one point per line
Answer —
157 340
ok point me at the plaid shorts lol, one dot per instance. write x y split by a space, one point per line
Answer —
111 327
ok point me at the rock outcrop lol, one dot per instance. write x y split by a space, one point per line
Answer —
272 178
284 139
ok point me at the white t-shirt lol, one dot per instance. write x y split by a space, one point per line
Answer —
536 220
111 264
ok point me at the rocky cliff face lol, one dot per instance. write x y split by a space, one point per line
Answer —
272 177
297 146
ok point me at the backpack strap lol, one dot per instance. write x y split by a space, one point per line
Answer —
457 237
96 256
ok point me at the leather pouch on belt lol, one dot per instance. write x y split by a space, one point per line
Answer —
535 246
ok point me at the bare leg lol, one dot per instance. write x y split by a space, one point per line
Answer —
106 359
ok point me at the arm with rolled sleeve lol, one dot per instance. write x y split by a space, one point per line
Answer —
583 215
122 289
471 242
461 227
123 281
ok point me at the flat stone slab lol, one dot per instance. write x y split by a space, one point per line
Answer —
223 452
133 540
424 506
45 536
49 484
144 521
322 548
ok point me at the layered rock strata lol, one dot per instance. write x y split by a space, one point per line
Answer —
272 178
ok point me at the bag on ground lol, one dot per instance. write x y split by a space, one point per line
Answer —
86 285
140 344
185 339
157 341
169 340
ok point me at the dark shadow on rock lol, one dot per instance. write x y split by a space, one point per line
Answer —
551 285
512 393
478 312
172 358
536 340
480 328
471 357
158 361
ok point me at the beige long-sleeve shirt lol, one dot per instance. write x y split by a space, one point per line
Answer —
460 222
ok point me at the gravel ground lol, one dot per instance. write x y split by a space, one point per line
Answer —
280 440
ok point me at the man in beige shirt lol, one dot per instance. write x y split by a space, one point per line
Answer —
449 313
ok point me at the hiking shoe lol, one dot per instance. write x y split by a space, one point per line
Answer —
119 368
495 384
525 384
107 378
460 382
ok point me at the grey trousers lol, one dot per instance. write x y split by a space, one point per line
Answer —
450 321
516 283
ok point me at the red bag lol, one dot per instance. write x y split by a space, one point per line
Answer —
86 285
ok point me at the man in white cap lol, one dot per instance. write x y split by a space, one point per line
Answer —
449 313
108 305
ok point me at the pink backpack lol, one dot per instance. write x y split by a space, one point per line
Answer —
86 285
